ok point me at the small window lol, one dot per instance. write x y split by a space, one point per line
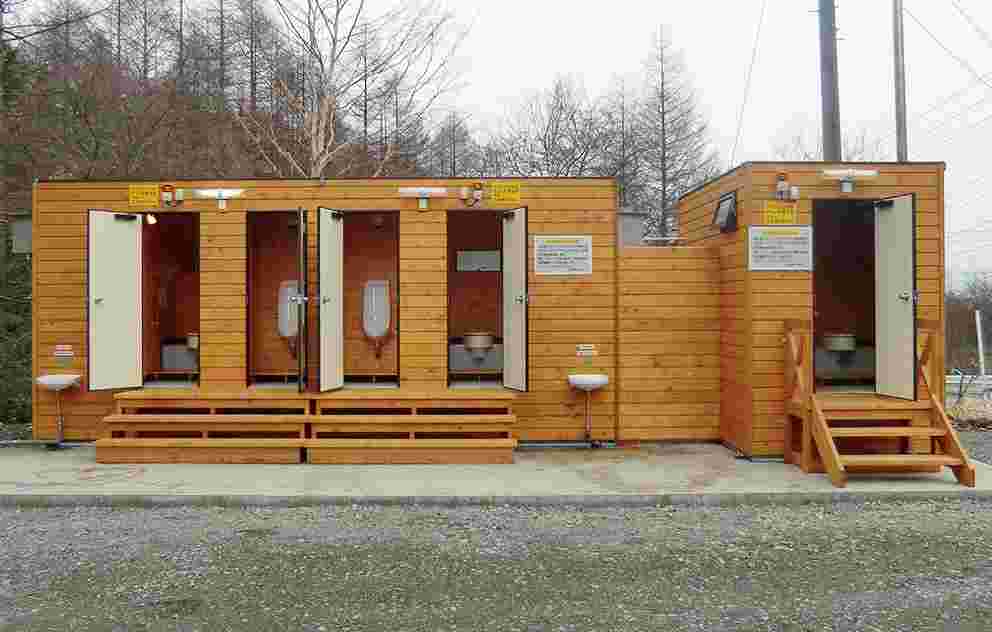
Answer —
726 212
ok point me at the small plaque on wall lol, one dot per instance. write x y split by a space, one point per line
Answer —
563 254
780 248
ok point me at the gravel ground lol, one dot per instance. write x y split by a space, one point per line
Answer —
914 566
978 445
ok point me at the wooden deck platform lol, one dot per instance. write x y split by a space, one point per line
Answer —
276 426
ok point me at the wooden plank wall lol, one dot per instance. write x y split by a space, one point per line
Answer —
669 322
564 311
695 223
370 253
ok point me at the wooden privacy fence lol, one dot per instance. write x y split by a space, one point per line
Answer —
669 343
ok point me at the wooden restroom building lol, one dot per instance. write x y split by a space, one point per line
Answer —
396 320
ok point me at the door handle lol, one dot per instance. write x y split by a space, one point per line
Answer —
904 296
324 300
98 301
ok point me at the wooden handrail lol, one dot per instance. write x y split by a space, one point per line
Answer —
825 444
950 442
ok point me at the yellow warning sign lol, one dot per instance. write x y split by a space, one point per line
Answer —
779 212
143 195
508 192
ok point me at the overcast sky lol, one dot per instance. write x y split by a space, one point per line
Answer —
516 47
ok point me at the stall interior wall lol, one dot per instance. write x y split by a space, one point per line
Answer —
669 330
564 311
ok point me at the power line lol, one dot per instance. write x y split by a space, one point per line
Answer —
970 20
964 64
747 82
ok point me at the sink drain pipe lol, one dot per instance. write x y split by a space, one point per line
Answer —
565 445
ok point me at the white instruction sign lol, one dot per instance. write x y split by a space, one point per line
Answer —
563 254
780 248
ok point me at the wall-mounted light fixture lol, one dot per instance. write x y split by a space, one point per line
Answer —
847 177
150 219
423 194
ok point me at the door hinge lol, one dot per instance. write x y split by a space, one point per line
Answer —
337 214
509 214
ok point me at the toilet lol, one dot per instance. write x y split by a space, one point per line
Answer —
375 313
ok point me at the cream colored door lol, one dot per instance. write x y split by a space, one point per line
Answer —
515 299
114 276
895 298
331 273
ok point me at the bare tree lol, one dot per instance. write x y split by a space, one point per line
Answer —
556 133
858 145
409 46
675 143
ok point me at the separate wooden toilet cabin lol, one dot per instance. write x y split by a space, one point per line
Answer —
831 326
361 320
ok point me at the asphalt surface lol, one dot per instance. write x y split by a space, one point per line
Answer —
909 566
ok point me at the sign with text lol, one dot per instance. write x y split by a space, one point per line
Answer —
780 248
780 212
505 192
563 254
143 195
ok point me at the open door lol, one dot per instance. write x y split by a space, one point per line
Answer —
515 299
895 297
331 277
114 273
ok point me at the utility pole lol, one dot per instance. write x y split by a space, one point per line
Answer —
902 148
830 97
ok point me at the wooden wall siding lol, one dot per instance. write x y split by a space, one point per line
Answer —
272 259
370 254
669 330
734 331
564 311
474 298
224 298
753 408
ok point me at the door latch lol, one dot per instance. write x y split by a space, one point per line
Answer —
522 299
910 296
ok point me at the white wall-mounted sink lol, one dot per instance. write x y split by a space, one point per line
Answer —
58 381
588 381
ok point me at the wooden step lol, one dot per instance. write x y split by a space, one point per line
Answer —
886 431
881 461
211 419
831 402
410 451
198 450
420 420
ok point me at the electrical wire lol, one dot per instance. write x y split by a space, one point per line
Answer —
964 64
970 20
747 82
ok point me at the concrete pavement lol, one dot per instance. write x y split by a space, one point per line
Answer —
649 475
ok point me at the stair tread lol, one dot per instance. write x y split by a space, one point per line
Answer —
898 459
467 418
181 442
410 443
867 402
886 431
206 418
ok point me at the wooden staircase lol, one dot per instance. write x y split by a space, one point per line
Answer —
862 432
355 427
